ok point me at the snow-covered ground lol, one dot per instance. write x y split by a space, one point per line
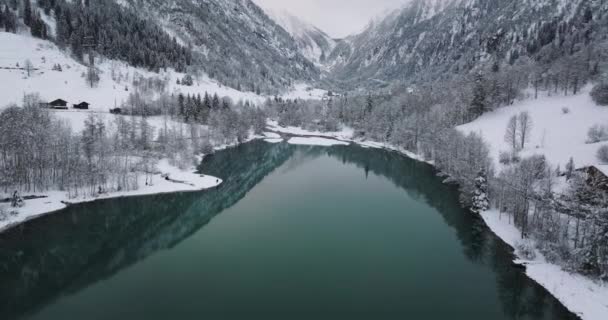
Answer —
182 181
316 141
579 294
272 137
304 92
344 134
115 83
556 134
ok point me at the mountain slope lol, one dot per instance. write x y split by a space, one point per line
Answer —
312 42
433 39
236 42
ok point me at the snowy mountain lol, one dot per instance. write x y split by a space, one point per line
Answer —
429 40
312 42
235 41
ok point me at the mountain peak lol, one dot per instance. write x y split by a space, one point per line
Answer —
313 42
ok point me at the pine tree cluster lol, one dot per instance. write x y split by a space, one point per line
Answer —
115 32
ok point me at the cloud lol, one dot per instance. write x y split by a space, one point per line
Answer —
339 18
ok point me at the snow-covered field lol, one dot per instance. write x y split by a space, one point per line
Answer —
115 83
555 134
57 200
579 294
304 92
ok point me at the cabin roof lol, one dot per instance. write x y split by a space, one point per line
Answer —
603 169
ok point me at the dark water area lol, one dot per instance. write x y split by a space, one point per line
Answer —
294 232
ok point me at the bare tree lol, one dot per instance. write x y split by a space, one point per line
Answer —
525 126
92 77
28 67
511 134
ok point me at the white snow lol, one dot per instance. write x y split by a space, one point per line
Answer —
344 134
70 85
555 134
603 169
315 141
559 136
304 92
272 135
304 33
579 294
274 140
58 200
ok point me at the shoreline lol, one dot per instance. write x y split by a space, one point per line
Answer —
59 200
586 298
583 296
54 201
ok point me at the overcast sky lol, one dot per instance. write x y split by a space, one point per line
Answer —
338 18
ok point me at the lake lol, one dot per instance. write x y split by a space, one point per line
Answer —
295 232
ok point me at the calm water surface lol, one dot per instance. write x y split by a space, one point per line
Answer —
293 233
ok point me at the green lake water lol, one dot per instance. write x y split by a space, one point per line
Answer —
295 232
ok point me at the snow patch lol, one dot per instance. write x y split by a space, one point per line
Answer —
560 126
315 141
274 140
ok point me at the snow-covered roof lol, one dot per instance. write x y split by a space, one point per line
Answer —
603 169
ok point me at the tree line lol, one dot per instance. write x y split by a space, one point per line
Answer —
570 228
41 152
104 26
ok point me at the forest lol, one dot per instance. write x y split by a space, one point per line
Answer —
103 26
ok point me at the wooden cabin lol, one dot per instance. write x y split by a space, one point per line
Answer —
58 104
82 106
596 176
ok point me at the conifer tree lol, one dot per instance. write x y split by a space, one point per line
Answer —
27 13
480 199
479 103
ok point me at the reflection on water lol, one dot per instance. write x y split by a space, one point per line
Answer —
64 253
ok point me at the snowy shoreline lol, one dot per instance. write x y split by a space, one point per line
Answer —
183 181
582 296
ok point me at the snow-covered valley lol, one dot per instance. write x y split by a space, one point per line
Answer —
507 103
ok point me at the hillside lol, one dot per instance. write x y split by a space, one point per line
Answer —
555 134
235 42
312 42
114 87
439 39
